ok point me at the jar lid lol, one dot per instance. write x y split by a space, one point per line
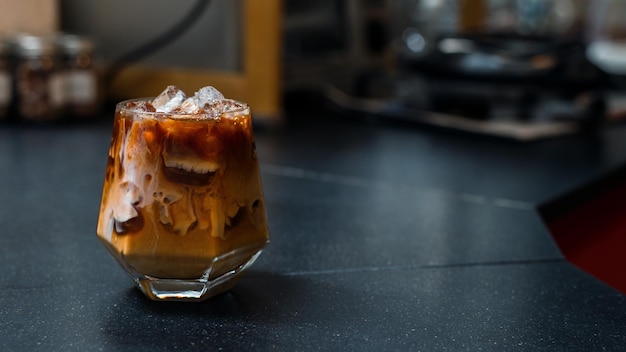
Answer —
72 44
31 45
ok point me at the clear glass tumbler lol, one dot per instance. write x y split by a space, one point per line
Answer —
182 207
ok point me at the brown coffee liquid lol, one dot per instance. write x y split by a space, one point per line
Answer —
182 198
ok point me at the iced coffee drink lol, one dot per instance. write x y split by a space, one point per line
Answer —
182 204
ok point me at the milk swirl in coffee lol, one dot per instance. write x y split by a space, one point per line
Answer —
182 197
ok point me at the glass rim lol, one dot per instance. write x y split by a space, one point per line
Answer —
122 107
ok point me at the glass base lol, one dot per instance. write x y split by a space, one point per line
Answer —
190 290
184 290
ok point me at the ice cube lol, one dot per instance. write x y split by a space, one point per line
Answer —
126 217
190 106
164 200
182 213
169 100
183 165
219 107
140 106
207 94
124 212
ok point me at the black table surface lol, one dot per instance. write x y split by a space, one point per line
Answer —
384 237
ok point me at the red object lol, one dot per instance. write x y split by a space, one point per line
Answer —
592 234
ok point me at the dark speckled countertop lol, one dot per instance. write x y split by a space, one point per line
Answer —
385 237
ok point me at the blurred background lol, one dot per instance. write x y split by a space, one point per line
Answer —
521 69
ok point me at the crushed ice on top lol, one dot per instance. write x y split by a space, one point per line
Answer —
207 100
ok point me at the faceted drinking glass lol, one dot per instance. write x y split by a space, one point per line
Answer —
182 207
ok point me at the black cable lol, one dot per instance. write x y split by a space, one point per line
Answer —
157 43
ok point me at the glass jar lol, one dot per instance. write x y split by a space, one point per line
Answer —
82 79
6 81
41 91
